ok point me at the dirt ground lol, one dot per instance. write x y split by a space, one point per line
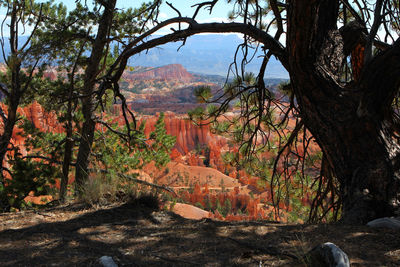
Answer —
135 235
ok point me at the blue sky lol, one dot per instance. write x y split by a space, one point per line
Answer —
220 10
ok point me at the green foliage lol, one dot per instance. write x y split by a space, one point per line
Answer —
161 142
218 207
113 154
27 176
37 142
25 82
116 155
221 127
225 208
203 94
197 114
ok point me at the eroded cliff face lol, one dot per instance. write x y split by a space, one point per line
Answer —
195 145
44 121
196 163
191 140
188 135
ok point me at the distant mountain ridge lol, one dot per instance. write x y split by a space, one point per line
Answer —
167 72
205 54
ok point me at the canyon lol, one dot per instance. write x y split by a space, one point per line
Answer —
214 182
166 88
197 171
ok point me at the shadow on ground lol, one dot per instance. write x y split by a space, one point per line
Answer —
134 234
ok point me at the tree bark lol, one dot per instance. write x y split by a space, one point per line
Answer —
9 124
15 90
69 143
91 72
352 123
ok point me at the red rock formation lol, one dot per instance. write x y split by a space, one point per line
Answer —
188 135
44 121
181 175
210 185
188 211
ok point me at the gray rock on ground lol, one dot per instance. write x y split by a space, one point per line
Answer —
107 261
327 254
386 222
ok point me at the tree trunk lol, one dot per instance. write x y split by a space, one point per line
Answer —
88 105
86 141
362 155
69 143
369 181
352 123
14 98
5 138
14 93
